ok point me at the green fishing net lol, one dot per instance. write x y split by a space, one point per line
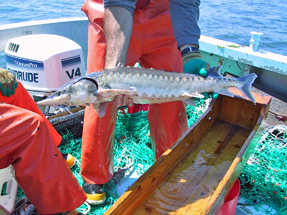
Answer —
264 177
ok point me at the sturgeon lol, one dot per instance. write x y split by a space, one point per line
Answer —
144 86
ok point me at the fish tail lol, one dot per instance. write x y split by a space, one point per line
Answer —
247 81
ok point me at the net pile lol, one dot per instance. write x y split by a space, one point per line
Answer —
263 179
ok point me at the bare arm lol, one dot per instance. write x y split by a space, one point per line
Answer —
118 28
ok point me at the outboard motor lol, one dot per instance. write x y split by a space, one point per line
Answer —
44 62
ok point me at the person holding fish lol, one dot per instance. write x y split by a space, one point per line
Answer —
29 142
159 34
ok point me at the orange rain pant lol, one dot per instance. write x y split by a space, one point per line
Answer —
154 46
29 142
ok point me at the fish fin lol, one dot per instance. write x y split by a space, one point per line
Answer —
247 81
96 107
194 95
101 109
215 71
224 91
190 101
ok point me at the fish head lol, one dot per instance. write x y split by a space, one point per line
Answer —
81 92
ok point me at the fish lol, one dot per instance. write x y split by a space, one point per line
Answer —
145 86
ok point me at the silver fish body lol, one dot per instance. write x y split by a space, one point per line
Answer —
144 86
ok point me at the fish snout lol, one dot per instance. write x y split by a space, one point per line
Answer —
82 92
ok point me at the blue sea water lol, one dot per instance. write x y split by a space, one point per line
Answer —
229 20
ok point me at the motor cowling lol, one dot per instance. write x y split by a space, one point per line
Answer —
44 62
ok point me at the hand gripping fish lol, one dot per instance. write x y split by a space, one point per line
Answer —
144 86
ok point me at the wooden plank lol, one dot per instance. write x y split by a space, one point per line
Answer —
278 107
228 159
222 164
223 143
191 184
240 112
